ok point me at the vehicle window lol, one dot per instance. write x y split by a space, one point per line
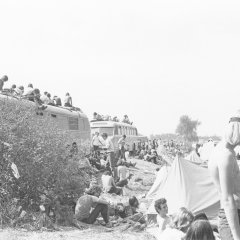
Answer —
73 123
115 130
108 130
119 130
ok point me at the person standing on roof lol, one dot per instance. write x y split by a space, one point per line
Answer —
121 145
68 100
2 81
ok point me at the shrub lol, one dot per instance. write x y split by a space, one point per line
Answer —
38 148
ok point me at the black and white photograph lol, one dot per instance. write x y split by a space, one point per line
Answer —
119 120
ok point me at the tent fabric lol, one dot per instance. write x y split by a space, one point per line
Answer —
193 157
186 185
160 179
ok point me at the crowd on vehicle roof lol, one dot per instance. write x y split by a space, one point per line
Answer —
98 117
33 94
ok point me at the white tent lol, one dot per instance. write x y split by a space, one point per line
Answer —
186 185
193 157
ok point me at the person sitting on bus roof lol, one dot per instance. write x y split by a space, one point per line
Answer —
29 92
126 119
68 100
20 91
57 101
107 118
97 117
3 79
115 119
50 101
13 89
44 98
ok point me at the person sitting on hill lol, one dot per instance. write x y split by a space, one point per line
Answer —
109 185
57 101
122 174
68 100
130 211
161 208
29 94
89 201
3 79
74 149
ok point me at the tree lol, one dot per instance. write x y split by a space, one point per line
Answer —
187 128
38 148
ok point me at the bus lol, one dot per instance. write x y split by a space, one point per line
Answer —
116 130
74 122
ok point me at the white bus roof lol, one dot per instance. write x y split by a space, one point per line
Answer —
109 124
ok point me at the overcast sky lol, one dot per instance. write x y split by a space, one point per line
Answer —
153 60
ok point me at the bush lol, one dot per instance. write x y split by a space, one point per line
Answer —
38 148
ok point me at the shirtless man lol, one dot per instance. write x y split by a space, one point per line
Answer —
224 170
162 209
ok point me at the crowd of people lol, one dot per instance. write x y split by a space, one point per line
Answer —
33 94
99 117
182 225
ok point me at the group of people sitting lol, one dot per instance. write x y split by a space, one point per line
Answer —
182 225
90 205
33 94
99 117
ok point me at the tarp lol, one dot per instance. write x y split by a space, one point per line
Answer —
193 157
187 185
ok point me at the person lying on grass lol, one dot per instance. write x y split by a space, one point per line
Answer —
89 206
130 212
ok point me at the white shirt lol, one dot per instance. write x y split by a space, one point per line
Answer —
28 91
122 172
107 182
109 145
171 234
96 141
44 99
162 222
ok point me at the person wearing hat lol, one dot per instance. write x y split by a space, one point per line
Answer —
89 206
225 173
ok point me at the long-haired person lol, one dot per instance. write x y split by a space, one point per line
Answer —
200 230
226 176
179 224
